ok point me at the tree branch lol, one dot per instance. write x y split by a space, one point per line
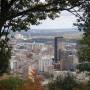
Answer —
77 14
39 8
11 3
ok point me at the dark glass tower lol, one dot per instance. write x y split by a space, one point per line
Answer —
57 50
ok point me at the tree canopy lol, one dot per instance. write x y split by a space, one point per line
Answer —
18 15
84 25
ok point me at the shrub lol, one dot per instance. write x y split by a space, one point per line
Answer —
10 83
68 83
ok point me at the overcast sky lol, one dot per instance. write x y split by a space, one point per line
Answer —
65 20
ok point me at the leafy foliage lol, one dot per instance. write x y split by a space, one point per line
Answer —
20 14
15 83
5 55
68 83
11 83
29 85
84 25
84 67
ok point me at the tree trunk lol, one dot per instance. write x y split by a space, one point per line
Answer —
3 14
1 26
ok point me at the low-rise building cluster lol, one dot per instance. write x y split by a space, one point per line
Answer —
37 56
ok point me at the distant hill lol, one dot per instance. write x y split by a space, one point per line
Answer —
51 32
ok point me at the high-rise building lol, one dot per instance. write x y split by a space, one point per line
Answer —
58 46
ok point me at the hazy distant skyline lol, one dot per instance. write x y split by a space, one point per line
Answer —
65 20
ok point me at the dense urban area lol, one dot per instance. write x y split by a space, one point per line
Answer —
48 57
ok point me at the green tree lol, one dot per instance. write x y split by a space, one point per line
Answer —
5 54
20 14
84 25
83 67
67 83
11 83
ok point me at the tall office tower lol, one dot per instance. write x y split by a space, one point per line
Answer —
58 46
55 50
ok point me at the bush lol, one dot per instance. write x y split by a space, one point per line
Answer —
68 83
10 83
84 67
